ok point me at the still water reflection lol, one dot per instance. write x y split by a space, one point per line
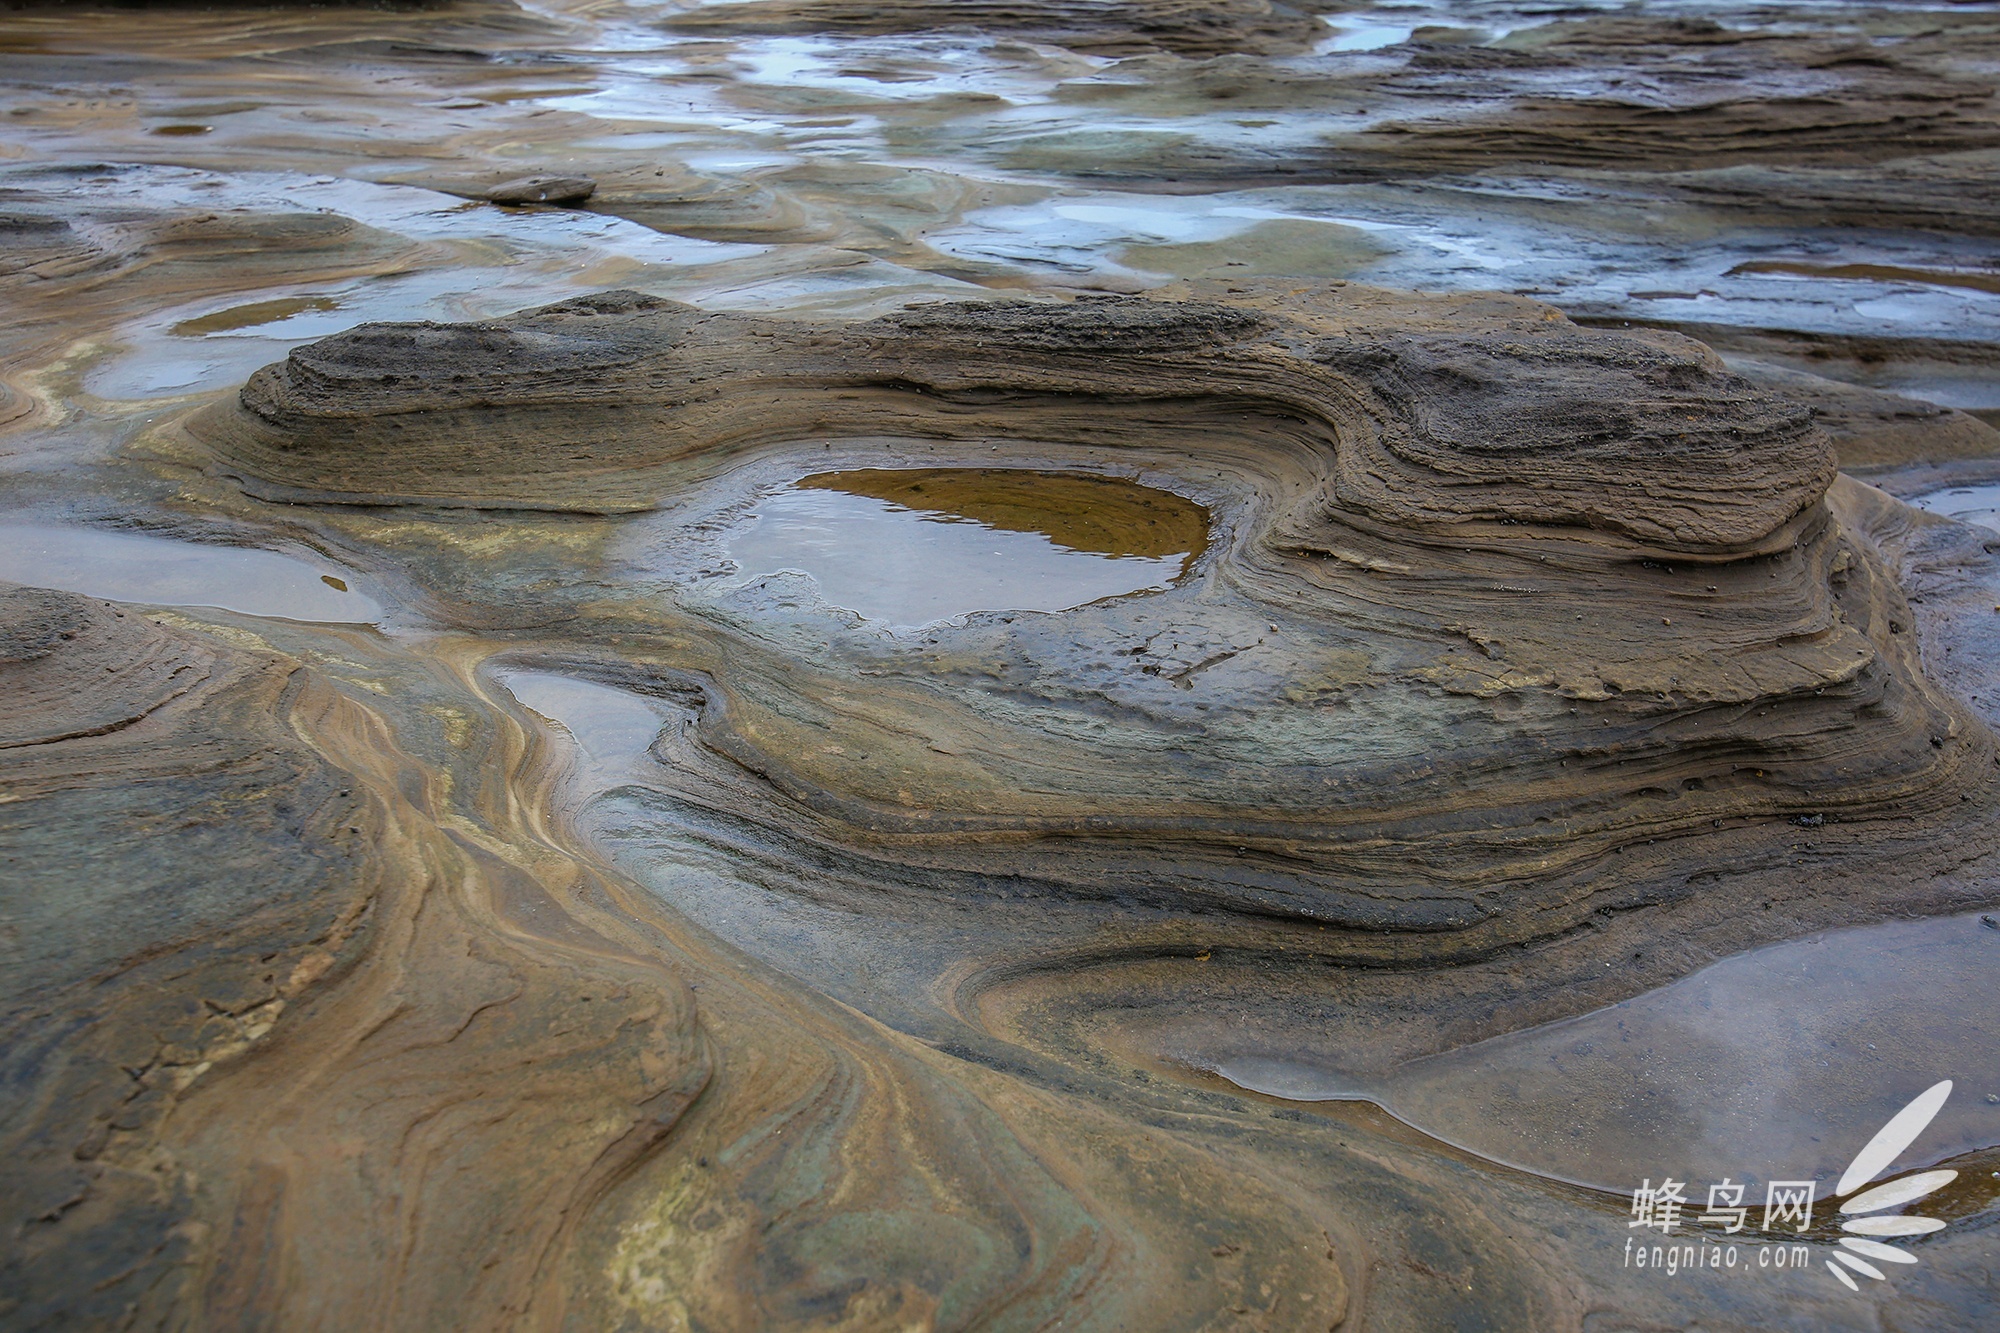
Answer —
1968 504
914 546
1780 1061
131 567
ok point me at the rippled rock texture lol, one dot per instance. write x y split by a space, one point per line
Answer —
625 929
1508 622
1622 92
1522 666
1092 27
269 1050
1515 649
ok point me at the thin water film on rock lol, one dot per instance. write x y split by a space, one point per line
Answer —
1175 664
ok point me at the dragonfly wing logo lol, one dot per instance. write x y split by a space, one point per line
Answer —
1865 1216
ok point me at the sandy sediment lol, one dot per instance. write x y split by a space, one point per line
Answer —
281 1038
347 1039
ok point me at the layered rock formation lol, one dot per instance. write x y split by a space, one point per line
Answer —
273 1035
1095 27
1626 93
1507 623
1515 649
622 935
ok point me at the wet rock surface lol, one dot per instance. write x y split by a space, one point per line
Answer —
1192 28
585 928
543 190
232 944
1441 574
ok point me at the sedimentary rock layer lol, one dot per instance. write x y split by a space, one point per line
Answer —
1749 123
850 979
267 1025
310 1022
1510 621
1095 27
576 405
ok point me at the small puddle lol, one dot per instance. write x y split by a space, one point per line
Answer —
914 546
255 315
613 727
159 571
1967 504
1777 1063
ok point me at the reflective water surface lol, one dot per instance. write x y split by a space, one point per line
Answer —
613 727
189 194
1969 504
1758 1067
133 567
913 546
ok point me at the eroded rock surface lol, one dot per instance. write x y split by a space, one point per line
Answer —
1545 611
622 935
268 1026
1094 27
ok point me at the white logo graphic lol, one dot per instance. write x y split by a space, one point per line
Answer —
1857 1249
1865 1210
